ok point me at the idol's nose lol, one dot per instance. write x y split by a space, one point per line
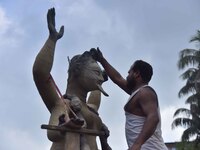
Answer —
105 76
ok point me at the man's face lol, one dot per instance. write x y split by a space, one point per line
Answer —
131 78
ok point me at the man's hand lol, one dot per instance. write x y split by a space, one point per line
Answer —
96 54
99 54
53 34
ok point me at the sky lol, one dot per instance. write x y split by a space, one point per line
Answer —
125 31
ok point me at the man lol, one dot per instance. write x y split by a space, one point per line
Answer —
143 127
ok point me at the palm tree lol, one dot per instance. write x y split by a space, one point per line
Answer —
191 120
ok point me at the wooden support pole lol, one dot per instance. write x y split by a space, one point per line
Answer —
81 131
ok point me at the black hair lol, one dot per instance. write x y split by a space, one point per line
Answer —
145 69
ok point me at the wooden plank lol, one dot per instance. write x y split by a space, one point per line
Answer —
81 131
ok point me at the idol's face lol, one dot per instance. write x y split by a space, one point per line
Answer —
92 77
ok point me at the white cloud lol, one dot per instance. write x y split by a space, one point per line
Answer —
170 135
20 139
10 32
4 21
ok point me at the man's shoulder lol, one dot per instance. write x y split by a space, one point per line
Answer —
148 90
147 93
148 96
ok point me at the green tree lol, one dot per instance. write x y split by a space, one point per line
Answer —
190 118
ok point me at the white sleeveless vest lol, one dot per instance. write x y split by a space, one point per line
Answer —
134 125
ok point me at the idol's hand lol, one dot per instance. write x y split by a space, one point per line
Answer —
53 34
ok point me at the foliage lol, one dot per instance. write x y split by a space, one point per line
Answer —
187 146
190 59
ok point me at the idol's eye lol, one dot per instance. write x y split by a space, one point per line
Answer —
97 72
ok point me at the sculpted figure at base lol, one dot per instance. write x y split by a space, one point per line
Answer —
71 110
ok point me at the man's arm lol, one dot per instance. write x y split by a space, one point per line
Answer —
44 61
114 75
149 103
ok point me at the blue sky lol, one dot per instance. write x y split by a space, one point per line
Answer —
125 31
